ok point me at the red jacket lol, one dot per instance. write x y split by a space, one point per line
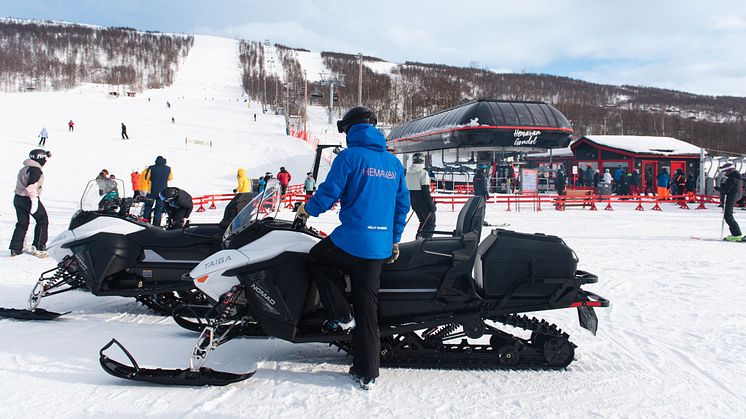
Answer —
284 178
135 178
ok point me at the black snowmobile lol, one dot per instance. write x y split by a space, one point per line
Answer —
108 252
441 293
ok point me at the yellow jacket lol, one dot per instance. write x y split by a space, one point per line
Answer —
244 183
143 181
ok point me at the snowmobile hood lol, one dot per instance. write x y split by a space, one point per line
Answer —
366 135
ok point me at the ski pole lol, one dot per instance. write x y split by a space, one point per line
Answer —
722 223
419 230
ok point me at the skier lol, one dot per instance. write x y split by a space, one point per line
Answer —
679 182
634 183
369 183
309 185
560 182
284 177
71 126
178 205
158 176
244 183
479 182
731 190
418 183
254 117
124 132
135 179
29 185
43 135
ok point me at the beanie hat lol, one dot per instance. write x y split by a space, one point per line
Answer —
727 166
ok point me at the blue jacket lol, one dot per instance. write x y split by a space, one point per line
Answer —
158 175
369 183
663 179
618 174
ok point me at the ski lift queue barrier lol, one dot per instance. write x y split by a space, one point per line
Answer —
295 195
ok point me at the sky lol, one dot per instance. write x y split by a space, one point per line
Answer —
694 46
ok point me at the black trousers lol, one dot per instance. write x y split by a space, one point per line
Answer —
23 209
125 136
427 222
735 230
177 216
43 141
328 262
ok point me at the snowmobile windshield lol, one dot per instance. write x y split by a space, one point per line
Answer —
265 204
99 192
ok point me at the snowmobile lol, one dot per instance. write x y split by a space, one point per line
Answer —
108 252
441 293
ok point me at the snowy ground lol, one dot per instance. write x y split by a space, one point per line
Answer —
669 346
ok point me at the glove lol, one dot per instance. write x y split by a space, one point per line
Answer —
302 211
34 205
394 253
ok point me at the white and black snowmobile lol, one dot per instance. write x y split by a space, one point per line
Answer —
108 252
440 304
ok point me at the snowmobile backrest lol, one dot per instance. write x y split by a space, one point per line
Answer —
470 218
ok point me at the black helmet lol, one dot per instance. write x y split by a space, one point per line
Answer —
357 115
169 194
40 156
418 158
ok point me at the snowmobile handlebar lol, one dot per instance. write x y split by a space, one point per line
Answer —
299 222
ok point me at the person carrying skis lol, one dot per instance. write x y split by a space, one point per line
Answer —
43 135
29 183
418 183
309 185
284 177
369 184
178 205
731 189
158 175
124 132
244 183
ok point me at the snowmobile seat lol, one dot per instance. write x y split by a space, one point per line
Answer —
433 257
155 237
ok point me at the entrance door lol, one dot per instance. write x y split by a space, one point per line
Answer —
677 165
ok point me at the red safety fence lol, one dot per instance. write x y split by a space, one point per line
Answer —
517 202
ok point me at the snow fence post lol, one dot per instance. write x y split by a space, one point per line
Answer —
639 204
212 206
608 206
701 203
201 206
508 204
656 207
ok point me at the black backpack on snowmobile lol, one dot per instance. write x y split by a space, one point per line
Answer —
109 252
429 302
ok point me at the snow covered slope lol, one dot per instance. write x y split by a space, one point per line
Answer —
670 345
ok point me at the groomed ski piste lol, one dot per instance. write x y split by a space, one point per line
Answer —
670 345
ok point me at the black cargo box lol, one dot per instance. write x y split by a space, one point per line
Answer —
540 262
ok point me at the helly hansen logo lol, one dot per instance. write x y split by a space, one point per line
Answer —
373 172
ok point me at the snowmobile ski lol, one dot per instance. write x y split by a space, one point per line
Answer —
708 239
200 376
25 314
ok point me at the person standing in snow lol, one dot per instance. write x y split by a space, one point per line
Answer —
418 183
135 180
309 185
43 135
649 181
663 183
284 177
244 183
731 189
560 182
71 126
29 183
369 183
479 182
158 176
124 132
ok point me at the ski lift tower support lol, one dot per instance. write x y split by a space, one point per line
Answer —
332 79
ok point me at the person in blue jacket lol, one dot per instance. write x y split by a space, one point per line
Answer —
370 185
